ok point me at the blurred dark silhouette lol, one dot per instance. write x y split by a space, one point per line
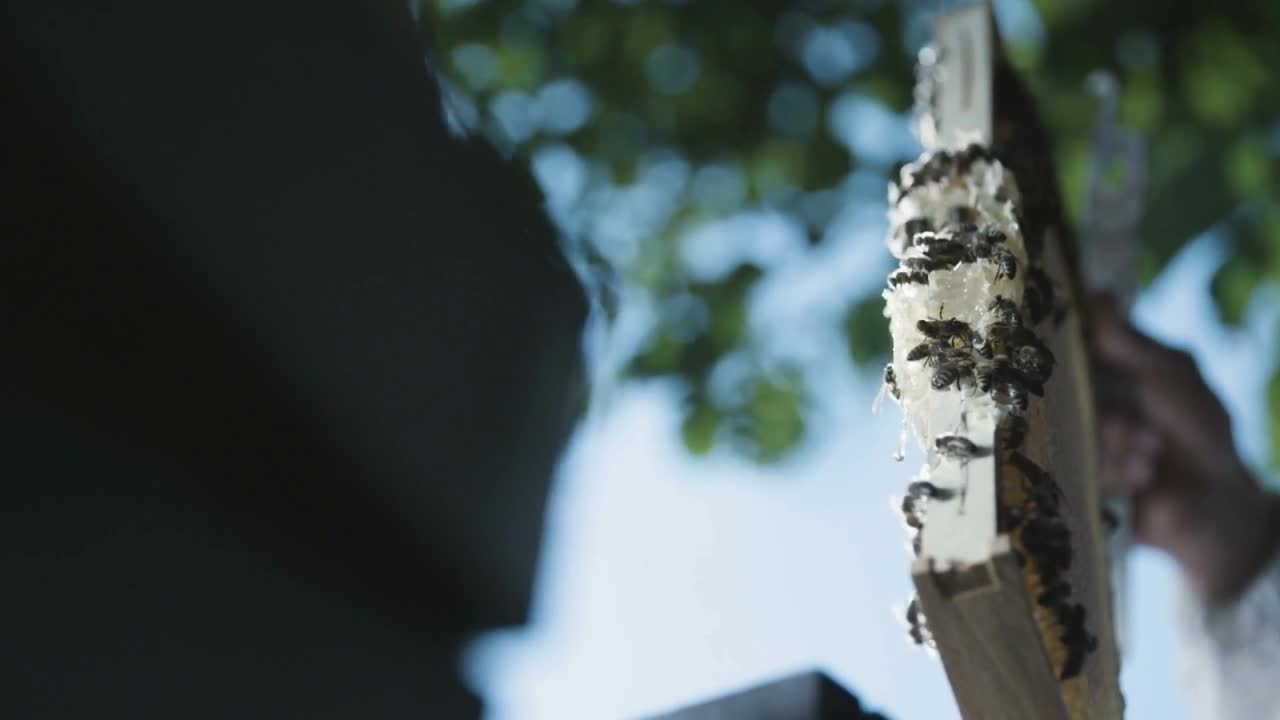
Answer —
285 366
810 695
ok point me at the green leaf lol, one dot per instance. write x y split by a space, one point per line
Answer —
1142 105
700 426
520 65
1073 159
773 422
662 357
867 330
727 300
1224 76
1249 167
1231 288
1254 254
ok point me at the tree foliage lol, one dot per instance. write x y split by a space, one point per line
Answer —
663 117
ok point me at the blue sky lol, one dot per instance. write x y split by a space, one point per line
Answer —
667 579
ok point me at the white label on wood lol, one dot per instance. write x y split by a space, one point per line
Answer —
964 91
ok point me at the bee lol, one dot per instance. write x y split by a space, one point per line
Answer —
916 627
1010 518
958 447
1074 663
1006 263
1032 383
1017 395
912 228
963 218
938 247
911 512
930 351
902 277
993 235
1040 280
1014 428
984 377
946 330
949 374
1055 596
1049 573
1035 354
980 249
950 368
926 489
928 238
990 374
1049 541
964 233
1078 640
981 346
939 166
1010 334
958 356
934 169
1071 617
891 382
1077 635
1005 310
1036 308
972 154
1029 469
917 542
1035 363
1012 395
928 264
1041 488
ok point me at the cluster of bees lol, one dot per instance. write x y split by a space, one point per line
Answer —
1045 536
1041 531
966 242
1002 358
1005 359
940 165
916 626
1010 363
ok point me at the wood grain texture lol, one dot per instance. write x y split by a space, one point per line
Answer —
1069 436
989 640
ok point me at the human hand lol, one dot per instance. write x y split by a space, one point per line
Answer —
1174 454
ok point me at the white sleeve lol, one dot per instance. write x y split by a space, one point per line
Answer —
1231 667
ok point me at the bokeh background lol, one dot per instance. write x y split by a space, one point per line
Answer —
718 170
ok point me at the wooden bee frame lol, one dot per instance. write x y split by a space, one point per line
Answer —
973 594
